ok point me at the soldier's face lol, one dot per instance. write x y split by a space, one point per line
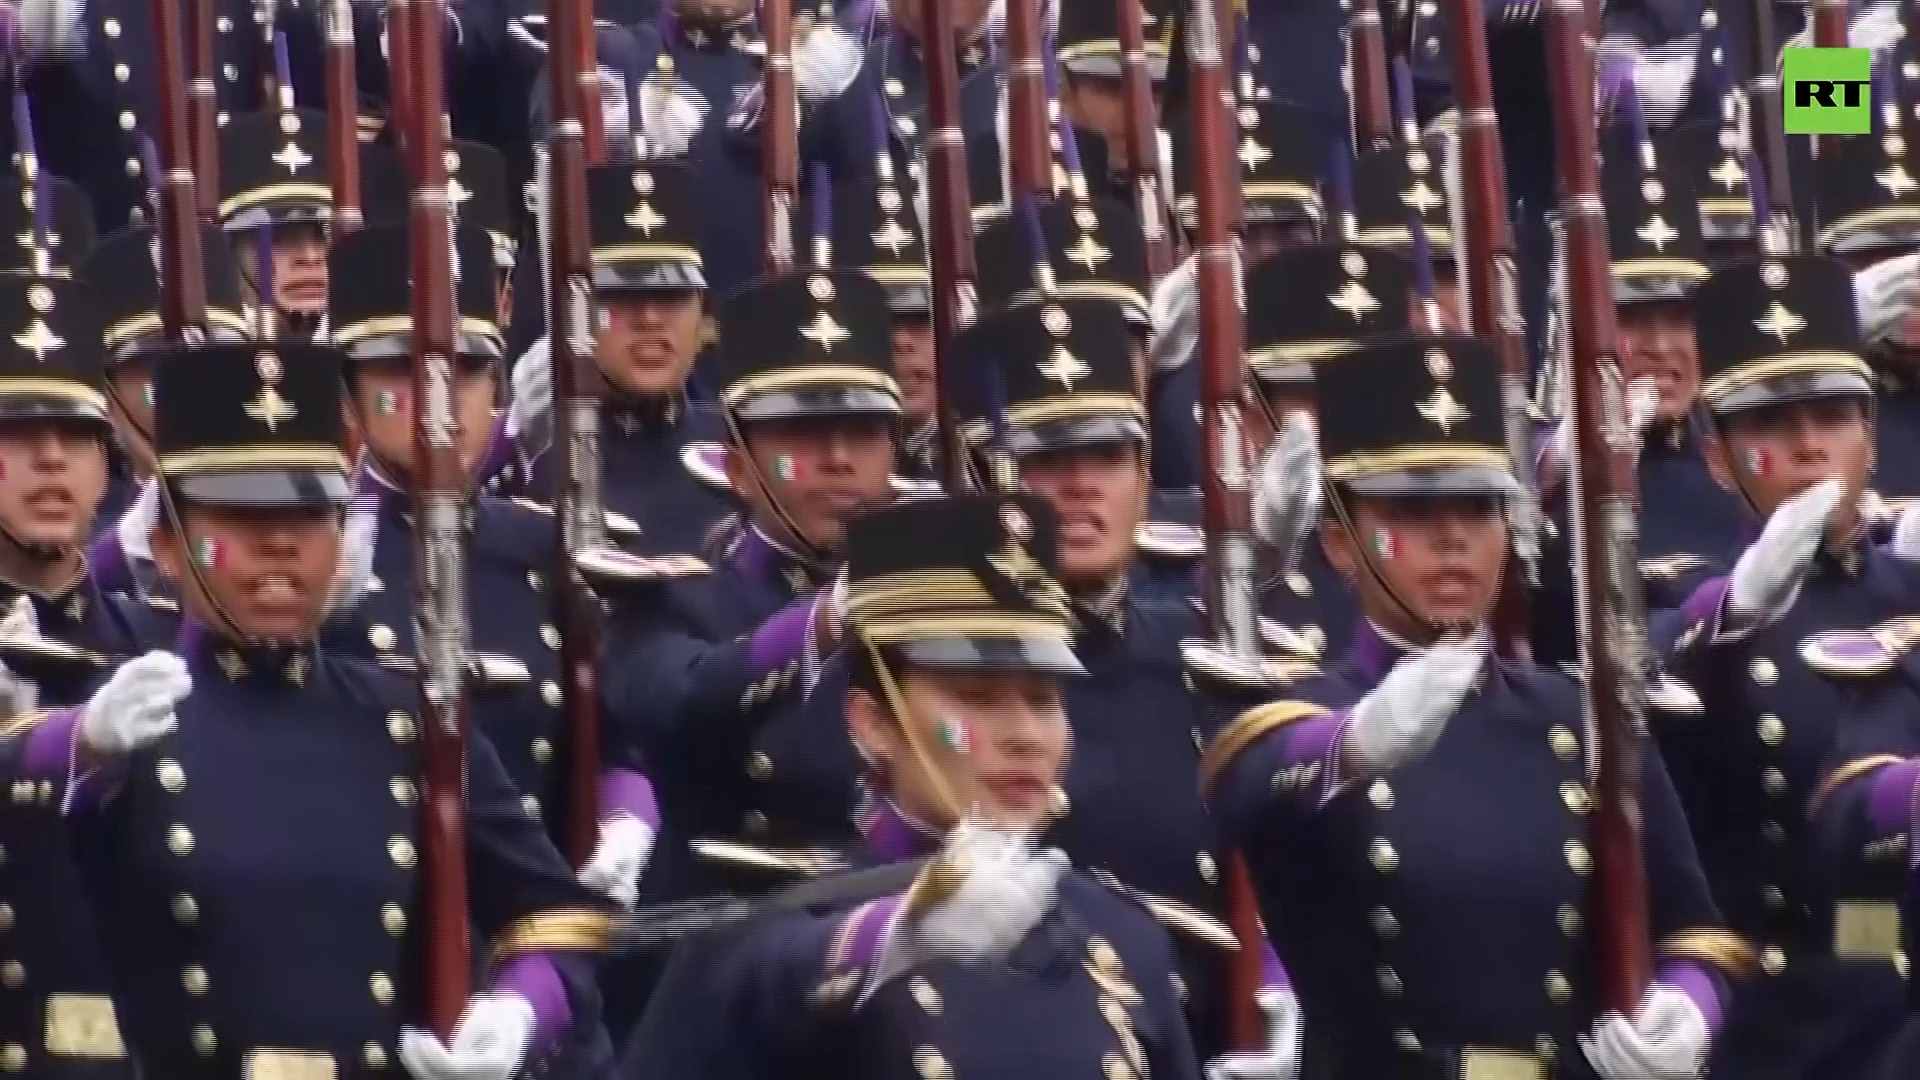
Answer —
913 366
1441 555
1775 453
1657 343
299 267
648 341
383 412
53 475
995 743
1100 493
819 471
1446 295
269 570
1097 104
132 410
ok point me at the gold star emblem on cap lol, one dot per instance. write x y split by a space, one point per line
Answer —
1252 155
28 240
1088 253
824 332
1895 180
892 237
270 408
1728 174
1442 410
1420 198
1354 299
1064 368
1779 323
291 158
39 339
1657 232
645 218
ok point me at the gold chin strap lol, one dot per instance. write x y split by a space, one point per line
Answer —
1369 563
897 704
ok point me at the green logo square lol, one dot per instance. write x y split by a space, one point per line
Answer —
1827 91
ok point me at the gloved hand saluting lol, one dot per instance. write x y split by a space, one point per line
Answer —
1766 580
1286 502
1404 716
1280 1060
135 707
488 1043
1667 1039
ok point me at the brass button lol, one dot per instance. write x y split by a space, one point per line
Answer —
224 24
1299 583
924 993
1565 746
1546 1047
1571 922
1384 923
1772 731
13 1058
127 120
550 693
1774 781
394 918
755 823
111 27
1575 796
931 1065
1380 794
12 973
1577 857
375 1056
1389 980
1559 990
185 910
180 840
760 766
6 916
533 580
1773 960
1209 870
403 790
121 73
1774 832
1773 898
203 1041
550 636
401 849
381 637
531 804
172 776
542 751
1764 671
1407 1041
382 988
1383 857
194 979
400 726
230 71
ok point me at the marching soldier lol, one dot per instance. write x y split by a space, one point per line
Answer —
276 200
1391 187
1092 101
1791 402
1416 824
126 288
196 824
991 959
477 195
651 289
1709 157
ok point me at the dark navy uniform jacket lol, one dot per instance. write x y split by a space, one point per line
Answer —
257 877
1440 910
1088 994
1746 771
1896 469
54 980
658 469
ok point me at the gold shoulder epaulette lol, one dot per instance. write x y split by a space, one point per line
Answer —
162 603
1861 653
1174 915
1669 567
1208 661
1170 540
707 461
1308 642
617 523
1672 696
800 862
907 488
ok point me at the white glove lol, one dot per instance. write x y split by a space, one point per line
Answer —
1885 293
668 119
135 527
825 64
1175 312
1876 28
53 28
1662 77
1403 717
1767 578
135 707
1906 535
488 1043
1667 1039
616 116
18 696
1281 1059
1286 501
355 572
530 413
619 858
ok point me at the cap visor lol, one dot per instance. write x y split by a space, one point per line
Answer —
476 350
1449 480
1787 389
910 300
647 276
1642 290
264 487
50 407
270 214
967 653
824 401
1075 432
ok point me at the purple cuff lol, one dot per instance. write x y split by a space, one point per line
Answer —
623 791
1691 978
1313 740
50 745
534 978
1891 801
864 935
1273 974
781 639
1706 603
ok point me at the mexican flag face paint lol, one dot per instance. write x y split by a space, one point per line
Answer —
952 735
1759 462
785 468
390 402
206 552
1385 544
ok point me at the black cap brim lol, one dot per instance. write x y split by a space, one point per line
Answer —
1787 389
1901 236
1649 289
264 487
478 350
1440 482
818 401
970 653
1074 432
275 214
910 299
50 407
647 276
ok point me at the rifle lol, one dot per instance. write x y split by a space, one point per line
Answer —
1143 139
205 96
343 119
439 499
1367 66
1769 130
1493 306
580 505
949 231
182 198
1602 526
780 152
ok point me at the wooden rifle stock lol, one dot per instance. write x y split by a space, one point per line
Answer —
1612 622
343 119
1493 307
949 230
1030 165
204 115
183 293
439 499
1367 60
1143 139
1769 130
780 148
